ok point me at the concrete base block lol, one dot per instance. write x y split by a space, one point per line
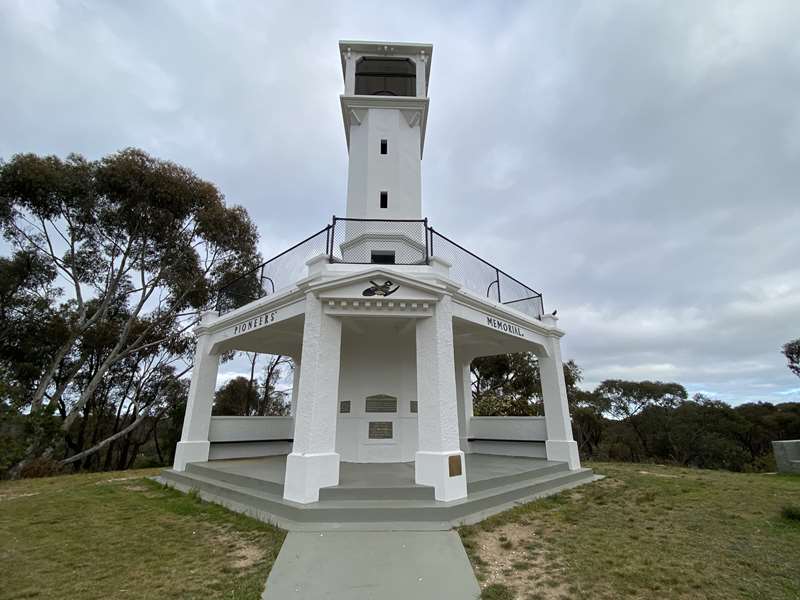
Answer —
564 451
433 468
188 452
306 473
787 456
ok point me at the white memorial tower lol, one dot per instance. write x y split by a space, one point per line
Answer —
382 315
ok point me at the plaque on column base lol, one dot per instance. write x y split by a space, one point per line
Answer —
444 471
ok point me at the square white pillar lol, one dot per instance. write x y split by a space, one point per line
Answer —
463 399
559 445
295 386
439 459
314 462
194 444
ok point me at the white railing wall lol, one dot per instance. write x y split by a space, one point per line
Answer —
241 437
508 436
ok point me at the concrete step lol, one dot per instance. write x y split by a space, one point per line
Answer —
244 481
502 480
426 514
409 492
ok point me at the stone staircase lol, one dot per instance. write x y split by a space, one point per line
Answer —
404 507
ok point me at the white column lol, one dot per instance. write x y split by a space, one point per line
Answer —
439 460
314 462
349 74
295 386
420 62
194 444
463 399
560 445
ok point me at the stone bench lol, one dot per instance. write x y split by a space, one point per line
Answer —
787 456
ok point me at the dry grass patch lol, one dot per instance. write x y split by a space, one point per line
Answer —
125 537
646 532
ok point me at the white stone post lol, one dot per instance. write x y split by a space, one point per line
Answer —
420 62
349 73
314 462
439 459
560 445
464 399
194 444
295 386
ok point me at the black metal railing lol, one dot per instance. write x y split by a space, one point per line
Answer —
483 278
367 241
380 241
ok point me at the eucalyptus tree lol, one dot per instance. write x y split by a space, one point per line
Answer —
791 350
134 248
510 384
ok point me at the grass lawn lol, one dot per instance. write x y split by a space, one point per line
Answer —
647 531
118 535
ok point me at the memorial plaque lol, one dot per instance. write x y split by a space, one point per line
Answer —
381 404
380 430
454 462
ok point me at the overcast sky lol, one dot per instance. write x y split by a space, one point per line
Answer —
637 162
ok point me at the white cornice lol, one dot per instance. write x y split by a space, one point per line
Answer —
248 311
508 314
409 105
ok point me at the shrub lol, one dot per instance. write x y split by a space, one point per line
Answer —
42 466
497 591
791 513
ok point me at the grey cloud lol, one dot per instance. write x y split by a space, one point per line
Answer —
637 162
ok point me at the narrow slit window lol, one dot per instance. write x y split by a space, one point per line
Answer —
384 146
384 199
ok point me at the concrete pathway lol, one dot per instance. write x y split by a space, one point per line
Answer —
372 565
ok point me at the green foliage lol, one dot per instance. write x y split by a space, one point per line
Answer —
641 420
510 385
791 350
497 591
258 396
791 513
112 262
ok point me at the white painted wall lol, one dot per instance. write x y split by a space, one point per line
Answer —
240 429
378 360
508 428
399 172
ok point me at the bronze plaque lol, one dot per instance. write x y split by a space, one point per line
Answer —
454 462
380 430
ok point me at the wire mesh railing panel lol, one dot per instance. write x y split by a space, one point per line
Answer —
519 296
278 273
366 241
373 241
472 272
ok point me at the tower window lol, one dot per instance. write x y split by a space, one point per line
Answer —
386 76
384 146
384 199
382 257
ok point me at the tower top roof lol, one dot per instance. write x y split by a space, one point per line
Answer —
388 49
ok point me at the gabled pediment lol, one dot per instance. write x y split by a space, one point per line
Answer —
379 284
379 292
